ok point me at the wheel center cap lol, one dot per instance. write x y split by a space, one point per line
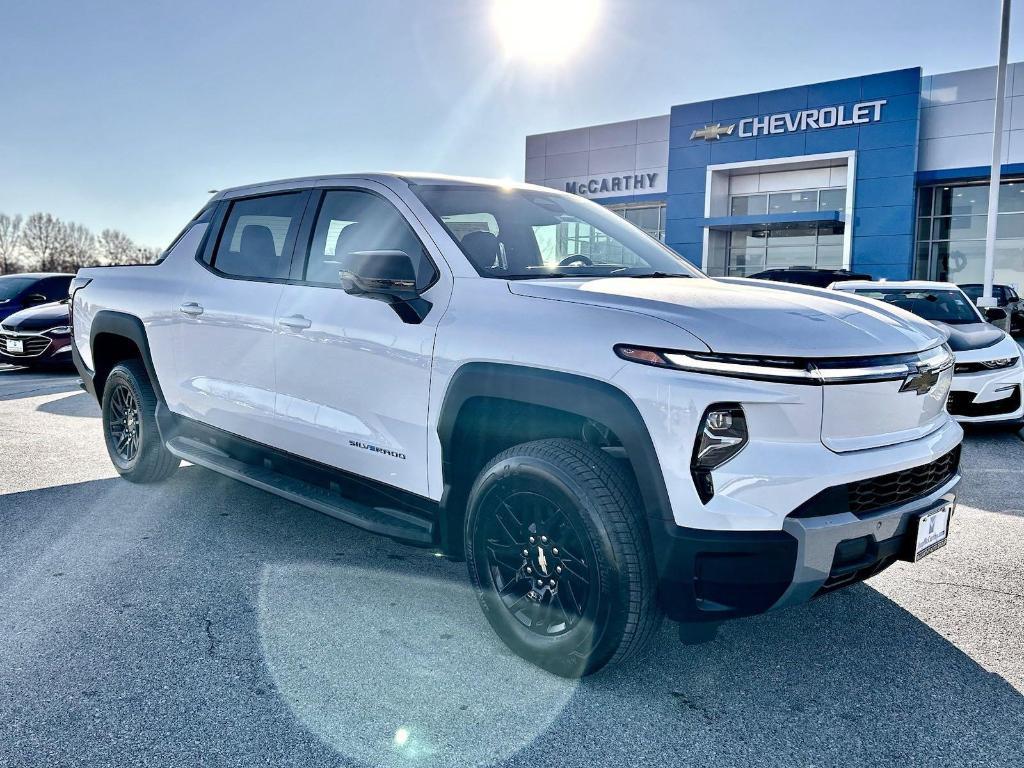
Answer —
542 561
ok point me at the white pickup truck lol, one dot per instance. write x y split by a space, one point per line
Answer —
520 378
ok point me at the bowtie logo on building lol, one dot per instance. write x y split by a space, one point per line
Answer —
713 132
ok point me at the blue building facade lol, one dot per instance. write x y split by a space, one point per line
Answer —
884 163
882 173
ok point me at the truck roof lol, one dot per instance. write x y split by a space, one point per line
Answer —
382 177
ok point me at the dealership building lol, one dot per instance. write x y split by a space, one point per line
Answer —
884 174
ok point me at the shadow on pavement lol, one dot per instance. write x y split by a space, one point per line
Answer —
25 382
78 404
204 618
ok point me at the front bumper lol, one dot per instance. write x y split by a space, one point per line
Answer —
988 396
38 349
718 575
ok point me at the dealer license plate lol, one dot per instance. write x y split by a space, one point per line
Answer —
16 346
932 530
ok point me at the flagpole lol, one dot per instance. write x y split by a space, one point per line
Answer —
986 299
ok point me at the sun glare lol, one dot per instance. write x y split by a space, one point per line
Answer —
544 32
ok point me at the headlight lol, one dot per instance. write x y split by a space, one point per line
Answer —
987 365
60 330
792 370
722 434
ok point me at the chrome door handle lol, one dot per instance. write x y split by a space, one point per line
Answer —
191 308
295 322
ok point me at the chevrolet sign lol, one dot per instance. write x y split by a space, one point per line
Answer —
789 122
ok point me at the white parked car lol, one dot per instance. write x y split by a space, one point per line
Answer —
988 376
519 377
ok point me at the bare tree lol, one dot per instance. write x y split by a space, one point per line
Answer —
115 247
78 248
10 241
42 240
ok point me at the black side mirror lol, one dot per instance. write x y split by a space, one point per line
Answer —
995 314
34 298
387 276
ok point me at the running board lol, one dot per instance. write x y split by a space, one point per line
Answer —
386 522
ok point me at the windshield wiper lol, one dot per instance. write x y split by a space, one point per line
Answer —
661 274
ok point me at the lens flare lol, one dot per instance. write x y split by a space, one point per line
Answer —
544 32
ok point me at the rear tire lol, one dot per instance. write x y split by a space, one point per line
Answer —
559 555
129 426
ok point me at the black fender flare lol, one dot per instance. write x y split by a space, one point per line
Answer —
129 327
572 393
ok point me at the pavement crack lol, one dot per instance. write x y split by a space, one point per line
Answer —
211 647
969 586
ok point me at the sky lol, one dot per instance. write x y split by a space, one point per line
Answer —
125 114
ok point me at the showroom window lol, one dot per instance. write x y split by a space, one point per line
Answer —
951 223
650 218
785 245
800 201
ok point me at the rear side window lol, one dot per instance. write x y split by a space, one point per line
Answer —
258 236
353 222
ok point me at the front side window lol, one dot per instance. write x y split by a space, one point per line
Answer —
352 224
258 236
944 306
521 234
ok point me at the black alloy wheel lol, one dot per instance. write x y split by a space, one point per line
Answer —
128 408
124 423
541 567
559 555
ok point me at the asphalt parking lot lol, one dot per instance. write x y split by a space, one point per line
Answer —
202 622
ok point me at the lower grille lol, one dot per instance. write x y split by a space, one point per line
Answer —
866 496
33 345
900 487
962 404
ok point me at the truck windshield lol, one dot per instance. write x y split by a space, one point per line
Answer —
943 306
516 234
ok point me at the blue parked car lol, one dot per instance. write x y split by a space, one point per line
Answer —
18 292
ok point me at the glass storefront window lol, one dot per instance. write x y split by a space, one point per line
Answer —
960 201
792 202
802 201
832 200
951 226
959 228
1009 226
787 245
748 205
1011 197
649 218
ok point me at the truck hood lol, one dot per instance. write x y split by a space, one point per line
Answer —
753 317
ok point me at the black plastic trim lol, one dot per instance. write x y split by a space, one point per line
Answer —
717 575
172 425
128 327
571 393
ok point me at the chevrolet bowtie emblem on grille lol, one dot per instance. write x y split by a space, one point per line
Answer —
713 132
921 381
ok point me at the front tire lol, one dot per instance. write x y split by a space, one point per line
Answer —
129 426
558 552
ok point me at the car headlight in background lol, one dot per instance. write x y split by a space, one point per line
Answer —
721 435
60 330
986 365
